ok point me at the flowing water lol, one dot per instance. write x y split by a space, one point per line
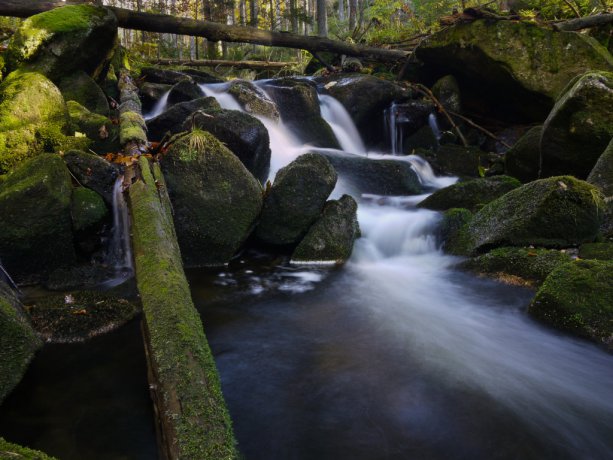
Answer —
119 253
159 107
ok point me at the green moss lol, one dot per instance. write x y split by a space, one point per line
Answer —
87 209
18 342
11 451
531 265
599 251
253 99
91 124
452 230
189 392
132 128
576 297
472 194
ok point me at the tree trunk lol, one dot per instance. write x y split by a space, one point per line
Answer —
293 11
341 10
242 13
585 23
264 65
162 23
322 19
254 13
353 9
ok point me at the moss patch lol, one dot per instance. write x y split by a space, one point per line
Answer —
193 413
576 297
104 135
11 451
87 209
132 127
599 251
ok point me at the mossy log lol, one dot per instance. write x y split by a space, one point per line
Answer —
193 418
132 126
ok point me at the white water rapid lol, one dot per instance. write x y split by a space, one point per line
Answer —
159 107
408 291
120 249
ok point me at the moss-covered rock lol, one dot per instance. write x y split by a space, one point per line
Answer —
87 209
296 200
472 194
36 227
330 239
576 297
98 128
599 251
172 77
447 91
579 127
32 115
93 172
366 97
18 342
375 176
520 67
80 315
82 88
523 160
298 105
242 133
455 160
16 452
602 177
554 212
183 91
216 200
530 265
253 100
62 41
452 230
173 119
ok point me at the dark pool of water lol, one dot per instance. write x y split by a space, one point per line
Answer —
85 401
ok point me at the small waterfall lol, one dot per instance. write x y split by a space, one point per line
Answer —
342 125
159 107
4 274
220 92
392 119
119 254
433 123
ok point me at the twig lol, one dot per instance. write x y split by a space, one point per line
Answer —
424 90
480 128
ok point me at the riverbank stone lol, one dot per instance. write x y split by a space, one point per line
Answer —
93 172
36 226
471 194
579 127
216 200
81 88
576 297
523 160
63 41
296 200
330 239
602 177
103 134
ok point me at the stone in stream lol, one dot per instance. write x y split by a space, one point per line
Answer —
556 212
296 200
253 100
172 77
63 41
330 239
93 172
171 120
455 160
81 88
36 226
298 104
579 127
523 160
184 91
216 200
18 342
472 194
576 297
374 176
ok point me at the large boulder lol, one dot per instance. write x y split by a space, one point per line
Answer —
296 200
579 127
519 67
82 88
32 111
330 239
365 98
523 160
455 160
183 91
472 194
447 91
36 228
554 212
298 104
98 128
381 176
602 177
93 172
253 100
172 120
87 209
576 297
18 341
216 200
243 134
63 41
172 77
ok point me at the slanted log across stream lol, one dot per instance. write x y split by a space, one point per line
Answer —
213 31
192 415
223 63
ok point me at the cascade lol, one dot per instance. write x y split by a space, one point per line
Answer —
119 254
342 125
159 107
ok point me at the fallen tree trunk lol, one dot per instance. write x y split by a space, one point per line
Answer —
585 23
213 31
220 62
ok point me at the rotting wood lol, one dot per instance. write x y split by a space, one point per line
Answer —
222 63
163 23
584 23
